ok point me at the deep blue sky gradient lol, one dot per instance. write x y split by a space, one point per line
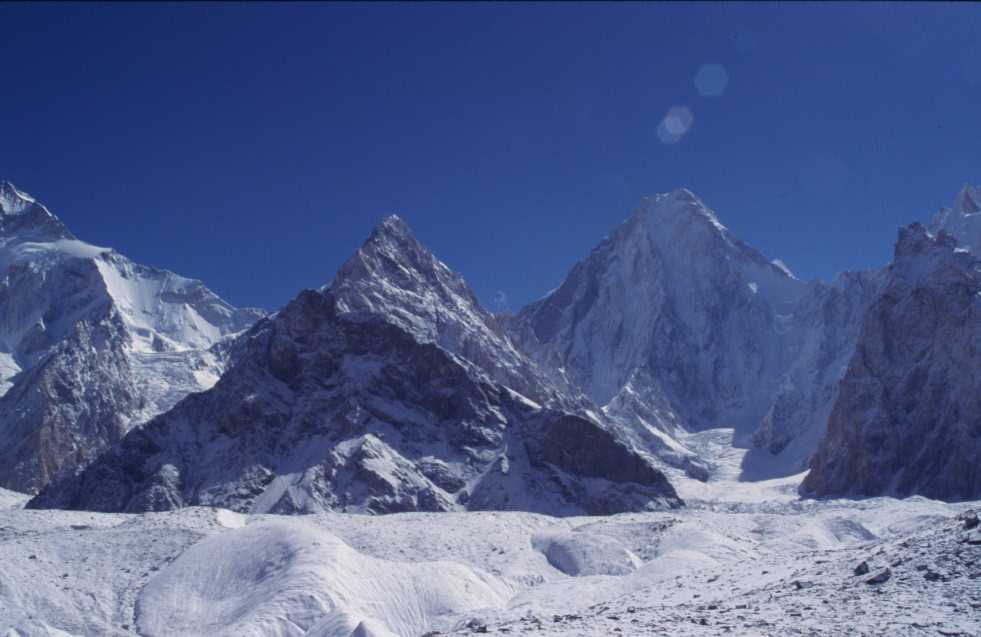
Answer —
254 146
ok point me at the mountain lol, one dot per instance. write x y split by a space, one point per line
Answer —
819 335
673 325
91 344
963 220
390 389
907 419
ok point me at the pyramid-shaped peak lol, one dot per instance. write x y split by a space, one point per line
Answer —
681 205
391 254
394 239
392 226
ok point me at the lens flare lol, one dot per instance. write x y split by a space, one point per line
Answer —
675 124
711 80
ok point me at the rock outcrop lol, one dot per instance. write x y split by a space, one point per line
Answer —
907 419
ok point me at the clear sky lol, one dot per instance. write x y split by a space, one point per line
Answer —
254 146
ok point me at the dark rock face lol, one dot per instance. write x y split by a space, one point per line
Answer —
69 409
352 399
880 577
907 419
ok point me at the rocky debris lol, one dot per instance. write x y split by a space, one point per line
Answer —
969 518
809 599
477 626
862 568
880 576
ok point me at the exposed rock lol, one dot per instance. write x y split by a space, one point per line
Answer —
880 576
91 344
339 402
963 220
907 419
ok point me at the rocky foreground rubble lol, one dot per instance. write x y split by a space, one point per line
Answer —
925 583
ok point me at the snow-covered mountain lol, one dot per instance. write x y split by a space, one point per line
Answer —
390 389
907 419
91 344
819 336
673 325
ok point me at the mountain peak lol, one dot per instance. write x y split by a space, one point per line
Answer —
915 240
13 201
392 226
967 200
683 194
679 205
392 231
389 267
24 217
393 223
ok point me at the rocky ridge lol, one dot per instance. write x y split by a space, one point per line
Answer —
388 390
908 415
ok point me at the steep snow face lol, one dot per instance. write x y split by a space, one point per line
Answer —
670 285
963 220
339 402
819 337
167 312
674 325
907 418
90 343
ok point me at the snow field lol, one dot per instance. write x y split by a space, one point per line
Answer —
202 571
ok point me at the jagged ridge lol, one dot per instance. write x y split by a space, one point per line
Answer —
391 389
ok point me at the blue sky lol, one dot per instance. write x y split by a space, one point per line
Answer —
254 146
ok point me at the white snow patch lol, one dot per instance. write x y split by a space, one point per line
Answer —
286 578
8 369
